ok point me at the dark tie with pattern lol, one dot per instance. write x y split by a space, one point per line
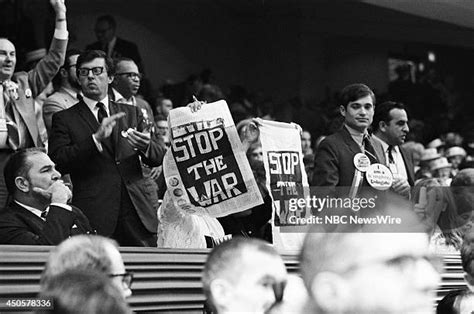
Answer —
390 155
369 150
101 114
44 213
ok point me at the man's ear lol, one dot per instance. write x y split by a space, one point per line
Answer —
342 110
221 292
111 79
22 184
63 72
331 292
383 126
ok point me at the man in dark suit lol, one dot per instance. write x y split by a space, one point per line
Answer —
391 129
334 159
38 214
18 124
113 46
99 143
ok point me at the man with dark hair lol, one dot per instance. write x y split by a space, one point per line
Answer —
83 291
452 302
113 46
18 123
243 275
100 144
39 213
371 268
390 128
334 158
88 253
66 88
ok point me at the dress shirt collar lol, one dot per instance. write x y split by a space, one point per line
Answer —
120 99
71 92
385 146
91 103
33 210
357 135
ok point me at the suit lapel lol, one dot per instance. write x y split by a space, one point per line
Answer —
351 144
408 166
30 219
28 118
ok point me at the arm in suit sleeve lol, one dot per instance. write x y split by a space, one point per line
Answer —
65 152
56 229
153 157
326 166
51 105
47 67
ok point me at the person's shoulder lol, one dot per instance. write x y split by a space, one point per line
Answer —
57 96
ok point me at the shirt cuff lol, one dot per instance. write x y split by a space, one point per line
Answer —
61 34
65 206
97 144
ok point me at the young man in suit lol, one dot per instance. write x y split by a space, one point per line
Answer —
391 129
18 124
67 90
334 159
100 143
39 213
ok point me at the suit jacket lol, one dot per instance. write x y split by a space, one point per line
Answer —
60 100
98 176
20 226
407 159
32 83
334 159
122 48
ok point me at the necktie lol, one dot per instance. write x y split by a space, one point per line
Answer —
370 151
101 114
12 120
44 213
390 155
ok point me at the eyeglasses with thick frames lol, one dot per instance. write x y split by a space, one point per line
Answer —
127 278
95 70
131 75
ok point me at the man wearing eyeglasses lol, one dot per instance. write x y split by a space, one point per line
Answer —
18 124
66 87
100 142
88 253
372 268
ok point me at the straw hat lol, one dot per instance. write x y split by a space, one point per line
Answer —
455 151
430 154
435 143
439 163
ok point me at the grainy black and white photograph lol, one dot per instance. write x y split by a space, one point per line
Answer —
237 156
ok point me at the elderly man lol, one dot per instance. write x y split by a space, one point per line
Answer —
391 129
334 158
67 89
243 275
372 268
18 125
39 213
94 253
100 144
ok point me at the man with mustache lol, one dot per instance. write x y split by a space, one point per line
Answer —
390 129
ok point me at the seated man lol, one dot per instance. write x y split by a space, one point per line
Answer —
243 275
84 291
88 253
372 268
454 301
38 214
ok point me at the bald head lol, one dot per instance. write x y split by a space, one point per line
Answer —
7 59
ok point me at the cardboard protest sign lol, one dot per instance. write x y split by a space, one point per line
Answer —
206 169
285 176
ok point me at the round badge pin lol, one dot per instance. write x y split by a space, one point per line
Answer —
379 177
361 162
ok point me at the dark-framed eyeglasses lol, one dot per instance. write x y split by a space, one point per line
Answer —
127 278
85 71
131 75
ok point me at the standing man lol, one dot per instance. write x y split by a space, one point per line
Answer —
39 213
391 129
99 142
334 159
67 91
18 125
113 46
